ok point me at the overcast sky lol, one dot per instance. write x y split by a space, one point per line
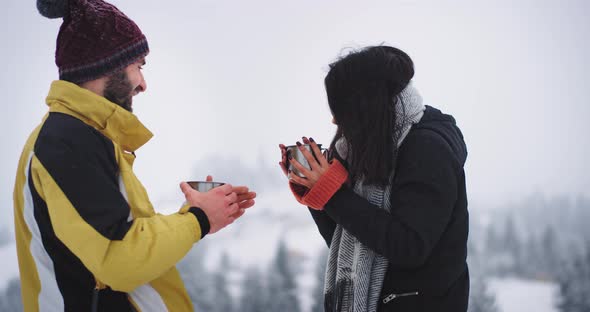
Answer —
232 79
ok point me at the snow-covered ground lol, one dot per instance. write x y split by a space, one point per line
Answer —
518 295
252 241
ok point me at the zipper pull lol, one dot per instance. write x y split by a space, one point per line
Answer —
393 296
389 298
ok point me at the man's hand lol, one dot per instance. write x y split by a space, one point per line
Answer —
245 197
219 204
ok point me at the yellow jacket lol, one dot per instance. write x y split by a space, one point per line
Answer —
83 220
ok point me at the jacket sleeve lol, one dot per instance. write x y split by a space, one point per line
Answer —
422 200
325 224
78 180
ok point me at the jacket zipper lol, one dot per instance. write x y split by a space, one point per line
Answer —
393 296
94 307
95 292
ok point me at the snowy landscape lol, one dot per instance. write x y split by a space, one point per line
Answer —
518 260
230 80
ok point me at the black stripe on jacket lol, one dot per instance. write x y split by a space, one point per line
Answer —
82 163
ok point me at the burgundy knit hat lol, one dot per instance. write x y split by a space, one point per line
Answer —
95 39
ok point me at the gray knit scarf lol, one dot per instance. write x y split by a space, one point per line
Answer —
355 273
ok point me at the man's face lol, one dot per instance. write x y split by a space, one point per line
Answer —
123 85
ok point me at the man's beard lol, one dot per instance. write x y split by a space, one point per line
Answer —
119 90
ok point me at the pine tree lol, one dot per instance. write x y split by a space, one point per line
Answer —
282 284
197 280
492 240
255 294
480 299
550 255
224 301
477 256
512 246
4 237
318 290
574 284
10 298
531 258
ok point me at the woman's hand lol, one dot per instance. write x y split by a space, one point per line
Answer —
331 176
283 162
318 167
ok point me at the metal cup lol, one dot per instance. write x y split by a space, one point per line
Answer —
204 186
294 151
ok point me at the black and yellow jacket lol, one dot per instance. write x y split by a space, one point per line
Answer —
85 227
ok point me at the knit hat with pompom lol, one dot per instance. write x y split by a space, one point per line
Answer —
95 38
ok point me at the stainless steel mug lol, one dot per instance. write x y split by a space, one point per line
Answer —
204 186
293 150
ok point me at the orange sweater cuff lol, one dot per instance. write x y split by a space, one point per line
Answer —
298 191
328 184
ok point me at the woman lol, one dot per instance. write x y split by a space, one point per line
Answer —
390 198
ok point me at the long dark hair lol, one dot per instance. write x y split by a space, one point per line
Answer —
362 89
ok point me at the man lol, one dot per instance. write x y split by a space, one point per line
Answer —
88 238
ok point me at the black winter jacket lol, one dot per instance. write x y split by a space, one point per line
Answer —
424 237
